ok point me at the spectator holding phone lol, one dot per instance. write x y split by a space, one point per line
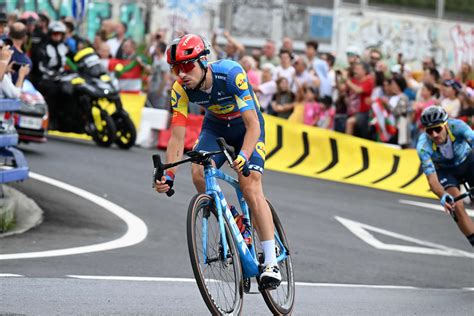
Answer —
18 37
5 56
8 89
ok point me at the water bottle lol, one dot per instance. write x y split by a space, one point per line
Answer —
247 233
237 217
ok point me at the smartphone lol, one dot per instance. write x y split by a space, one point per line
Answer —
17 66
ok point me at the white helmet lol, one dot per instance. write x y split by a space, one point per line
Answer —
57 27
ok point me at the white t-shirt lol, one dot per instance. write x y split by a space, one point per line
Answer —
452 107
287 73
114 45
265 95
304 78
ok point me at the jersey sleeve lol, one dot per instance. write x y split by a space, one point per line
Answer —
466 131
179 104
424 151
238 85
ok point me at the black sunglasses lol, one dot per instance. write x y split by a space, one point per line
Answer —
436 129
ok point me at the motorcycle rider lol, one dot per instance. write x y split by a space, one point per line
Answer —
52 59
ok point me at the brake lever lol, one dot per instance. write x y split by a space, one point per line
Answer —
158 173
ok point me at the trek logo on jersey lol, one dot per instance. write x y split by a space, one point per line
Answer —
241 81
260 148
221 109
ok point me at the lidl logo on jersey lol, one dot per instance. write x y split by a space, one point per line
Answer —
221 109
260 147
241 81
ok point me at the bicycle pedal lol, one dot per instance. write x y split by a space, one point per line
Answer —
247 285
268 286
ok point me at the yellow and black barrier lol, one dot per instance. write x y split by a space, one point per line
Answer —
324 154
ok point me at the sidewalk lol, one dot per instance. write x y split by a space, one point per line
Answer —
27 213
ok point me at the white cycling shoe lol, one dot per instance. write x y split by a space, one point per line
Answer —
270 278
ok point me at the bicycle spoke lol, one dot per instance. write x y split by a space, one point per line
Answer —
218 271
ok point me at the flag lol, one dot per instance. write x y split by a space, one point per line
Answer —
383 121
79 8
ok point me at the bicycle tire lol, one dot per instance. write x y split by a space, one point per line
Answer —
281 300
211 287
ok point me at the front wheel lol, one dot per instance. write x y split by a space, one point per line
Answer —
102 128
281 300
218 274
126 132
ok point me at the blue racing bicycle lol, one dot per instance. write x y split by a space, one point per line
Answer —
222 261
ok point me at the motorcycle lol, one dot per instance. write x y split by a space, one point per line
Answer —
91 92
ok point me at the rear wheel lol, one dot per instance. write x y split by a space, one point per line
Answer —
126 132
218 274
280 301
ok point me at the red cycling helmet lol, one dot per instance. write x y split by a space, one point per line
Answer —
189 47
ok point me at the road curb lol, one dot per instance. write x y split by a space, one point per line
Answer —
27 213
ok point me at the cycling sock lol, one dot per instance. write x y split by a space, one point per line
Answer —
269 252
471 239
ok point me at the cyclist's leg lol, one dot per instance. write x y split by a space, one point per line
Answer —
251 186
450 179
465 173
206 141
252 190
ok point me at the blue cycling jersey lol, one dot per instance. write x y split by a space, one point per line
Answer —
229 97
461 136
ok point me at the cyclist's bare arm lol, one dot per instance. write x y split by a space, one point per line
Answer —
435 186
252 133
174 151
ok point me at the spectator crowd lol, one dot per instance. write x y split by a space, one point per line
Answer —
370 98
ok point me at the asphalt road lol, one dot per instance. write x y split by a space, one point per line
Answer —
325 252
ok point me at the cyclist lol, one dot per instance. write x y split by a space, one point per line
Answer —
232 112
447 158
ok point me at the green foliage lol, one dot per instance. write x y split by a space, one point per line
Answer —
421 4
7 219
460 6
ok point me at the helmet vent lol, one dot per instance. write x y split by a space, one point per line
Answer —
188 52
173 52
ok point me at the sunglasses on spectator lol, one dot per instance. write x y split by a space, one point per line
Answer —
375 57
436 129
183 67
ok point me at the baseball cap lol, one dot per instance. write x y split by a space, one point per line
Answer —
453 84
353 50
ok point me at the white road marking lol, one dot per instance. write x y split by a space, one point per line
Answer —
302 284
136 228
9 275
437 207
129 278
362 231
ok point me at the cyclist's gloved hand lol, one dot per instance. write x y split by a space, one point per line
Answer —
241 161
166 183
447 201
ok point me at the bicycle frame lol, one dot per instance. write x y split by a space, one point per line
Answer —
248 257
